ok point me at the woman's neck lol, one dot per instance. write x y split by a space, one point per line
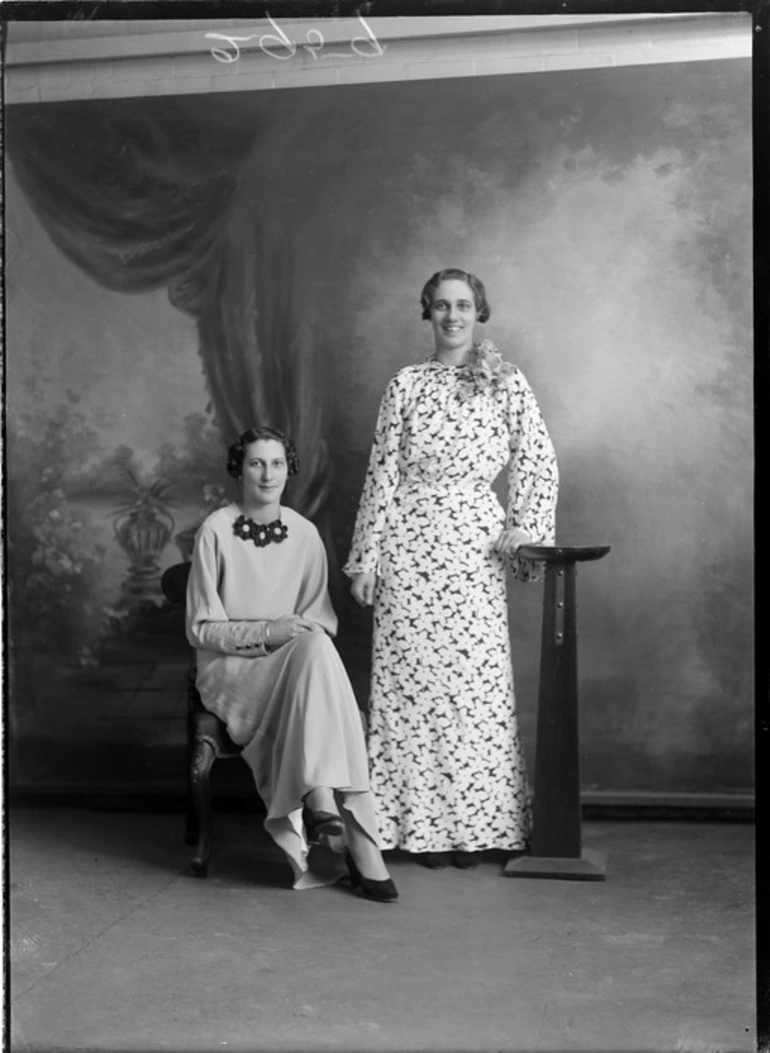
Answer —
260 513
454 357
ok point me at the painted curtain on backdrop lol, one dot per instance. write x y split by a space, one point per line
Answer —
142 196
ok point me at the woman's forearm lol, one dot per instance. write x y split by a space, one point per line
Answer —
249 639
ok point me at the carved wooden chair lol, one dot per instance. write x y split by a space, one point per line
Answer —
207 741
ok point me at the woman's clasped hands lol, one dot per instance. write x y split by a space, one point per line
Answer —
281 630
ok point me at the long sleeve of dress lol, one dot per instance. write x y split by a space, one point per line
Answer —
533 475
208 626
379 485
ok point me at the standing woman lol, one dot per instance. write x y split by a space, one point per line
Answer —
259 613
430 550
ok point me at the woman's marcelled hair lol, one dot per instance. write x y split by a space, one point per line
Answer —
237 451
453 274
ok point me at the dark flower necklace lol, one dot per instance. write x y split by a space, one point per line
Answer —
261 534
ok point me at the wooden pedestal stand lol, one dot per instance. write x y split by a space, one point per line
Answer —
555 849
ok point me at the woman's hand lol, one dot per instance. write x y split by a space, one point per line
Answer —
363 588
510 541
282 630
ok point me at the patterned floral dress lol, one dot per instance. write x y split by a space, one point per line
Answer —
445 757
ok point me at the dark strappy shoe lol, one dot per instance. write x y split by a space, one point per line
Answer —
467 860
434 860
322 824
382 891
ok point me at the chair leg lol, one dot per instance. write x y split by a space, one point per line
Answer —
190 819
200 770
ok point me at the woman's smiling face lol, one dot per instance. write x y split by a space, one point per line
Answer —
264 472
453 316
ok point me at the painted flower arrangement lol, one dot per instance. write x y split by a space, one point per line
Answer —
143 523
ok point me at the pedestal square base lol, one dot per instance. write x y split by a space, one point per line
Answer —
591 866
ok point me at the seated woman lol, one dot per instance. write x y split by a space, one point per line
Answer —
259 613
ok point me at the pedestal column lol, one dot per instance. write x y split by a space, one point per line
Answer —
556 843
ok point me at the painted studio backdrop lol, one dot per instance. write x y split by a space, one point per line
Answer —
180 268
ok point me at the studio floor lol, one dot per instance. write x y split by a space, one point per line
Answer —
114 946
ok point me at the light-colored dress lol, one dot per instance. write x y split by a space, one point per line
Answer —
292 708
446 763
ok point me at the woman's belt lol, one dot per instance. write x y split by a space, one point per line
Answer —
439 486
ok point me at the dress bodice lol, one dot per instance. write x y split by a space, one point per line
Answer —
452 437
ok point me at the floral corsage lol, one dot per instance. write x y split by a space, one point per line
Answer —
485 368
260 533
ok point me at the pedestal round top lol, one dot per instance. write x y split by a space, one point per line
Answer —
563 553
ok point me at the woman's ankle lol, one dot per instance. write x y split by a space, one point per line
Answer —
320 799
366 855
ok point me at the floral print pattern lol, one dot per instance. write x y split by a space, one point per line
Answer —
446 763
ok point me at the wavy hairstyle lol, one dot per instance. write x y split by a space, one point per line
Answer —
483 310
237 452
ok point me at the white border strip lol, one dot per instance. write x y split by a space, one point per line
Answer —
259 55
